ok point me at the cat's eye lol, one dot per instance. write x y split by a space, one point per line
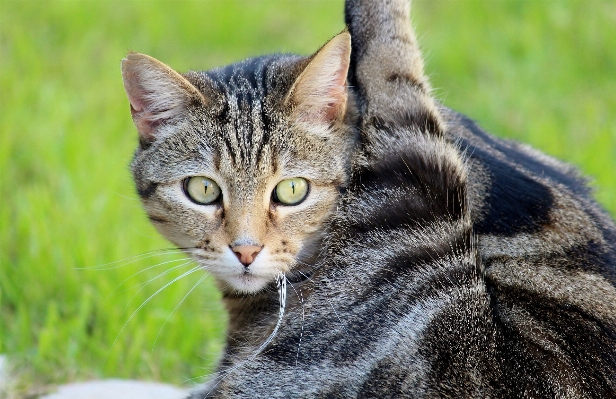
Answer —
291 191
202 190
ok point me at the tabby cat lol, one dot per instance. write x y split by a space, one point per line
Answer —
420 256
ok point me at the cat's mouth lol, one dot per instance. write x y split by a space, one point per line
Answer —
249 278
240 277
247 282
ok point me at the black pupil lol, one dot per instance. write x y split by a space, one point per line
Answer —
293 187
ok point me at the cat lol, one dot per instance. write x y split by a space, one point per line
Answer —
421 256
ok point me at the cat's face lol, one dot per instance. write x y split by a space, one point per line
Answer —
242 166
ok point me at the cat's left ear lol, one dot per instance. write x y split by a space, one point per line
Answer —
319 95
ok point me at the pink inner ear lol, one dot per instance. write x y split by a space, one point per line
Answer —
320 92
327 102
134 91
331 112
337 92
136 105
157 94
142 119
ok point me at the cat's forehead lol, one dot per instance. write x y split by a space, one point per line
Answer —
246 80
255 79
250 124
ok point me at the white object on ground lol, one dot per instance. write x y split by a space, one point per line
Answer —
5 383
3 371
118 389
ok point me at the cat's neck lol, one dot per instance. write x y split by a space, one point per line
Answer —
249 312
252 317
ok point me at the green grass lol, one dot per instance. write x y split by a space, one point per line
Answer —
541 72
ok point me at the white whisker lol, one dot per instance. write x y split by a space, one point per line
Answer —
300 296
145 284
178 305
194 269
132 259
328 301
148 268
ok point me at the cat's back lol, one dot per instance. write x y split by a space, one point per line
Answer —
548 255
527 202
456 264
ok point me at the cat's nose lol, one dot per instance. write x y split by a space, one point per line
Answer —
246 253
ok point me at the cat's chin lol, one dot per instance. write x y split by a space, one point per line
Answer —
246 283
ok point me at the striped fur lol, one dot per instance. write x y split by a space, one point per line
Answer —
448 263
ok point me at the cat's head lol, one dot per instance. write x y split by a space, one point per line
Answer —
243 165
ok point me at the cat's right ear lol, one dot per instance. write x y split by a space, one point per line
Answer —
158 95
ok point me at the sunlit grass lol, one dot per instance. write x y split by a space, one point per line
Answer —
538 72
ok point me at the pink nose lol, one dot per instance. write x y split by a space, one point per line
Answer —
246 253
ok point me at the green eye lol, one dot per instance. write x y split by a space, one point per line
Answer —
201 190
291 191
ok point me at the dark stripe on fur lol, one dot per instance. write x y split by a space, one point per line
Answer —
144 144
548 346
404 78
451 344
512 152
515 203
146 189
156 219
387 375
420 118
433 193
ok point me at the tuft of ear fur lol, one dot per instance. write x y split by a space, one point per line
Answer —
319 95
157 94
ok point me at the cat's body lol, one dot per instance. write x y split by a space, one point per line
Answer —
434 260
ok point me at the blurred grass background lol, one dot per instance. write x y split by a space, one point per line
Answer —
542 72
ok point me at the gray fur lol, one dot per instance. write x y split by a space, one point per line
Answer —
453 264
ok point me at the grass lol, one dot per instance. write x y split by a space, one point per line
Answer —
541 72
